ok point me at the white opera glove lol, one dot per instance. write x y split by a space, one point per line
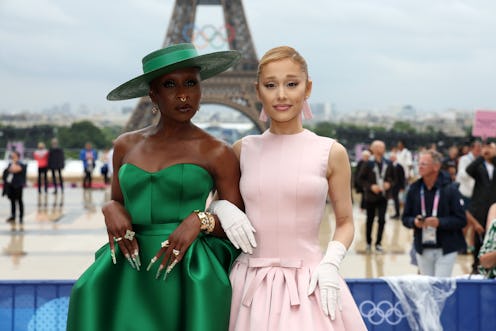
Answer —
327 276
236 225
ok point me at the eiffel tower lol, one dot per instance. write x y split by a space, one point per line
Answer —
233 88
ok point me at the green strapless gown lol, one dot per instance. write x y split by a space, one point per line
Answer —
195 296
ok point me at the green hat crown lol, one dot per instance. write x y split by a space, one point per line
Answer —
171 58
168 56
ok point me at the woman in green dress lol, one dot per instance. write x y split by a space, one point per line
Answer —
167 261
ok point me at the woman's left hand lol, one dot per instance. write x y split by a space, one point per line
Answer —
176 245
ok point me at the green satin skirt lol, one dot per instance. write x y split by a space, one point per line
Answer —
196 295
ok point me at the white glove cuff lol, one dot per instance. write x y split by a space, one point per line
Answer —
213 204
335 253
226 211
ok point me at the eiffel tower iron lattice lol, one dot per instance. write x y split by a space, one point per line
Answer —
234 88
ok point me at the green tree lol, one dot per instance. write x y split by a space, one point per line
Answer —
404 127
79 133
111 132
325 129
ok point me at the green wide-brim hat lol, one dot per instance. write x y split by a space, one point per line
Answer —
168 59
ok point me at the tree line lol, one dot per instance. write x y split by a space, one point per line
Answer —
71 137
350 135
74 137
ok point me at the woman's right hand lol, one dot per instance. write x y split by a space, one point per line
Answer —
120 230
174 248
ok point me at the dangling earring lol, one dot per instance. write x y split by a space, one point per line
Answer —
154 109
307 112
263 116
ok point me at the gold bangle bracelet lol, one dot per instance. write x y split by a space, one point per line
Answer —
211 223
207 222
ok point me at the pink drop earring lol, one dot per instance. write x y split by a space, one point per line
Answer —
307 112
263 116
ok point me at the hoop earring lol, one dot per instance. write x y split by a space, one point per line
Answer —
263 116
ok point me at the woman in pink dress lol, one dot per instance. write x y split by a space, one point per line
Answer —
288 172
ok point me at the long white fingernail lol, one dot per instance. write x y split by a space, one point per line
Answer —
112 255
152 261
158 271
136 263
138 260
130 261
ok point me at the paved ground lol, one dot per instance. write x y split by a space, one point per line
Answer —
62 232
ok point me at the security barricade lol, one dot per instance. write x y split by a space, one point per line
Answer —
42 305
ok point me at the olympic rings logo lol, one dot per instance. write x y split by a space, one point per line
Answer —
383 311
208 35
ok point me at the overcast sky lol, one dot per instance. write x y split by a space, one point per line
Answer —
362 54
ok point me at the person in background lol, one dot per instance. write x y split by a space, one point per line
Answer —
399 184
163 175
487 253
56 162
450 162
356 183
483 171
376 177
433 208
404 157
14 180
41 157
464 149
104 170
88 155
287 173
466 187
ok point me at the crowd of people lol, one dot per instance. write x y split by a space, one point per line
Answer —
53 160
446 200
14 178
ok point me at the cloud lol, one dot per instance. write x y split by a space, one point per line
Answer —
361 53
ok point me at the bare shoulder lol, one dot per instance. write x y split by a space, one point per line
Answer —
128 138
218 154
124 142
338 159
338 152
218 149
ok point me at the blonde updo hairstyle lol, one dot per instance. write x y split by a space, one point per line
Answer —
282 53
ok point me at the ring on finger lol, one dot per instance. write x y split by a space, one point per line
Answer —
171 266
117 238
129 235
176 252
165 244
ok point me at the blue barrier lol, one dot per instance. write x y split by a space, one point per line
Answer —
470 308
42 305
34 305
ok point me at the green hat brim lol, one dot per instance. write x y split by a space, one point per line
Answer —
210 65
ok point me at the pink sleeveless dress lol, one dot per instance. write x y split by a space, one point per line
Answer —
284 188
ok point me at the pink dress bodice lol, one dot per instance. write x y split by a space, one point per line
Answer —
284 188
